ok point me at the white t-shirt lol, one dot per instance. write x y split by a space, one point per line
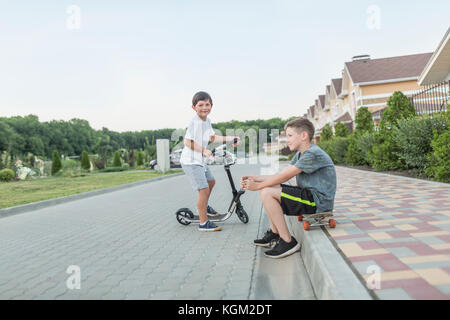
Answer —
200 132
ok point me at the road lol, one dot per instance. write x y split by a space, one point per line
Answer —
127 244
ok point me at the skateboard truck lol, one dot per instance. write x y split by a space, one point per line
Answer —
317 220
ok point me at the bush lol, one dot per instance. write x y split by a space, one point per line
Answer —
355 156
365 143
6 175
363 120
336 148
327 133
398 107
413 137
384 153
140 158
117 162
85 163
56 162
340 130
113 169
439 159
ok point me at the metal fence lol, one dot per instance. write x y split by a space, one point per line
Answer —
433 98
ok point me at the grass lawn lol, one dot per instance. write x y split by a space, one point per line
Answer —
22 192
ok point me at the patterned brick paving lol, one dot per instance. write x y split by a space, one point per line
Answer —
399 226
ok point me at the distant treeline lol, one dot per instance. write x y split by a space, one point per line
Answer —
22 135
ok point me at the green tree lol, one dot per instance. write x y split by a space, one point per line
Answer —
398 107
117 162
385 152
56 162
85 163
327 133
140 158
341 130
363 120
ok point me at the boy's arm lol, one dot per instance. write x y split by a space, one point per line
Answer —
285 175
222 138
192 145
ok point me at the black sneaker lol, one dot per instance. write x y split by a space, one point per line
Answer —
283 249
267 240
211 212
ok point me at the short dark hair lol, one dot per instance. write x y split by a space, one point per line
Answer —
302 124
201 96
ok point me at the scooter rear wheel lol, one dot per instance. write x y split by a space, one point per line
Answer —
183 214
242 215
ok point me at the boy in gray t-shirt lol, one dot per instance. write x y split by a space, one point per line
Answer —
316 187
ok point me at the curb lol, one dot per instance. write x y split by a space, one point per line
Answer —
329 273
7 212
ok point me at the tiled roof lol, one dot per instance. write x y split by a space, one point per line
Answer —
311 111
337 84
322 101
374 70
344 118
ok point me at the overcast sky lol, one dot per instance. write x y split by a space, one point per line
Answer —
135 65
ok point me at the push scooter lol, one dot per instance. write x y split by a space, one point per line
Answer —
185 216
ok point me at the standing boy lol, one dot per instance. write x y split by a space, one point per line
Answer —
198 135
314 193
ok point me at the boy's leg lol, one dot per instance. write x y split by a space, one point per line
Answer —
202 202
211 185
271 199
209 210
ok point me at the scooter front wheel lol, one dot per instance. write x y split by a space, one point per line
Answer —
184 215
242 215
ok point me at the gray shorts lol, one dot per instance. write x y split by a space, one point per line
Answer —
198 175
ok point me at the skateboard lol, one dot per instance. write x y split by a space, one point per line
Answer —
317 220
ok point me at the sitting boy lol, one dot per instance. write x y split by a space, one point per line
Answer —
314 193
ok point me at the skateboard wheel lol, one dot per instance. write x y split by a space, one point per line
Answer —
306 225
332 223
300 218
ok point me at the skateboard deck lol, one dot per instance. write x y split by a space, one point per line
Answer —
317 220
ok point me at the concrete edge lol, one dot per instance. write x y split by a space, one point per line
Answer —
6 212
330 275
257 283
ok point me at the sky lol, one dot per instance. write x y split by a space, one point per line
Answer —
135 65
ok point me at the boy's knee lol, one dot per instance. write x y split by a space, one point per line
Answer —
264 192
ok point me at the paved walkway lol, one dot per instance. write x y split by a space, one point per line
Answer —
128 245
396 225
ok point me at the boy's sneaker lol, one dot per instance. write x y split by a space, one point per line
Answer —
283 249
211 212
209 227
267 240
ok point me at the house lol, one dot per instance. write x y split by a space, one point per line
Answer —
370 82
435 81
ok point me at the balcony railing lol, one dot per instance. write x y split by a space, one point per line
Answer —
433 98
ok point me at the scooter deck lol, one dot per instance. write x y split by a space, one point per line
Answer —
219 217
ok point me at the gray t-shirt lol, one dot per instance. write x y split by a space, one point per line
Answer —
318 176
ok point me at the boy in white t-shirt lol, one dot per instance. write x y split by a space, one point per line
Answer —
194 155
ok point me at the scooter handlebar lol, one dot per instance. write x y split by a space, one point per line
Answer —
221 147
